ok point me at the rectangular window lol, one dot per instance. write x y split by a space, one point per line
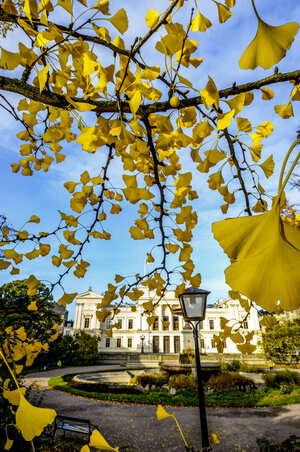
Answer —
175 323
119 342
211 325
224 343
86 322
201 325
107 342
166 323
130 324
202 343
108 323
156 324
120 323
213 344
246 324
129 343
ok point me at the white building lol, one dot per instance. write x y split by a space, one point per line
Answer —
168 334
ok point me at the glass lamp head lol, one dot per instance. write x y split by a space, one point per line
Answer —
193 303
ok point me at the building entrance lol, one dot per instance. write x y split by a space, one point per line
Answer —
166 344
155 344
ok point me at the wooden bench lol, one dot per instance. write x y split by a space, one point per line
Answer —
73 424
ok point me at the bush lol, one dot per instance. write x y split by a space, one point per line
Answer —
291 444
246 367
179 382
241 366
78 350
187 356
150 379
282 379
230 381
234 366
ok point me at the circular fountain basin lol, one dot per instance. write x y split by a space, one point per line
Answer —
121 377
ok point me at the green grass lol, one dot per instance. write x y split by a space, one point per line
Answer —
258 398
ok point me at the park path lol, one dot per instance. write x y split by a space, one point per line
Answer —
137 425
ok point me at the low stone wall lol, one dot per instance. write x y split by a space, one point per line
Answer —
156 358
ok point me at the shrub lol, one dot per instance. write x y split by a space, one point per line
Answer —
230 381
282 378
179 382
291 444
234 366
150 379
187 356
246 367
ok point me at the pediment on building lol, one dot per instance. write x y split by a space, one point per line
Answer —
89 294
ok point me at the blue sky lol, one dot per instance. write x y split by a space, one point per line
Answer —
43 193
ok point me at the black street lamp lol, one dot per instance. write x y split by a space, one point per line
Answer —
193 305
142 339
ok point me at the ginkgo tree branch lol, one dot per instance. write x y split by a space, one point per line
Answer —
58 100
4 17
91 227
154 29
238 170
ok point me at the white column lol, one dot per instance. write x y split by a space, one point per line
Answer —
160 318
171 343
76 315
94 319
171 320
80 323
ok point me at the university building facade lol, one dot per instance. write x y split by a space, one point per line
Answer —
168 334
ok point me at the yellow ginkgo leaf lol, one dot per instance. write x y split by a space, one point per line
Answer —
8 444
70 186
31 420
135 102
34 219
14 397
30 9
99 442
42 77
285 111
152 18
4 264
210 94
85 448
245 236
200 23
243 124
269 45
32 283
267 93
246 348
162 414
9 7
120 20
265 253
9 60
268 166
102 6
67 298
223 11
32 306
237 103
215 438
224 120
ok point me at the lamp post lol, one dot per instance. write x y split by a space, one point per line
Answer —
142 339
193 305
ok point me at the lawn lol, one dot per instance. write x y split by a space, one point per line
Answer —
229 398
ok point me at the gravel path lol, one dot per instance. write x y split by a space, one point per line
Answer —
137 427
